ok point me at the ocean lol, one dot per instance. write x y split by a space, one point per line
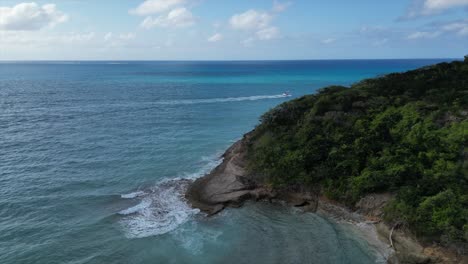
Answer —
95 157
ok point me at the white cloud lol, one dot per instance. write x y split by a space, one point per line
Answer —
256 22
172 13
215 38
250 20
432 7
328 41
423 35
268 33
150 7
179 17
459 27
30 16
280 6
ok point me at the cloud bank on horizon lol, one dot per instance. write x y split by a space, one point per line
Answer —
232 29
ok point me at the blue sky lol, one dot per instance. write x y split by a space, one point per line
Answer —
232 29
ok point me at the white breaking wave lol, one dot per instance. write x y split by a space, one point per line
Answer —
133 195
162 208
220 100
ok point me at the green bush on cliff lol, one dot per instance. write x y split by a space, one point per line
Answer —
404 133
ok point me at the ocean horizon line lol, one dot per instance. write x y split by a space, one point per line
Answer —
247 60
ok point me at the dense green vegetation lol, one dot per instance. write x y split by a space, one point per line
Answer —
404 133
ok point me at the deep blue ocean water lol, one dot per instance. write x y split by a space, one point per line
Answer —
92 153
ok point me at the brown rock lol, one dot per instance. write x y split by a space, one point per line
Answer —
227 185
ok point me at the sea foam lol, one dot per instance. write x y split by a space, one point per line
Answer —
161 208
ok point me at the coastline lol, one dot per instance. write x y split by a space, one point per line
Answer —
230 185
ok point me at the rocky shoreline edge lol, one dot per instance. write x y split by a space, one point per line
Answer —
230 185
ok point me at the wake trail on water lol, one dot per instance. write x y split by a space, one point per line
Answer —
220 100
182 102
161 208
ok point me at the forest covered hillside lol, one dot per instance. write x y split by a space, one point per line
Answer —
403 133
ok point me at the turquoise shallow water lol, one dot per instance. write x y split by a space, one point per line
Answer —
93 157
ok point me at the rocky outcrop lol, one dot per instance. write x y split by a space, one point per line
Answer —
230 184
227 185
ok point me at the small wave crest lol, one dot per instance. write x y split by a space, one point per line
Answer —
132 195
161 208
